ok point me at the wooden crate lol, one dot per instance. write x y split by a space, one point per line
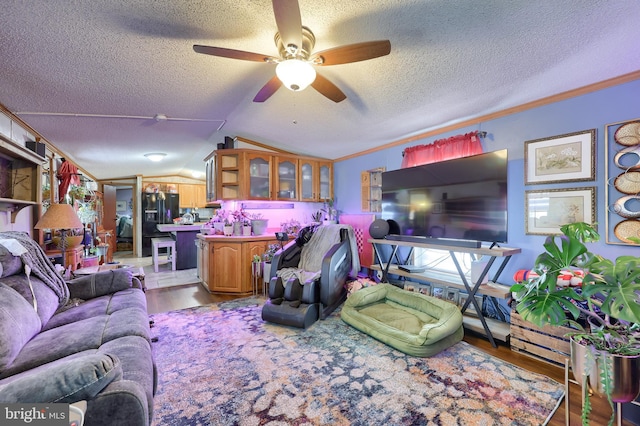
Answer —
547 343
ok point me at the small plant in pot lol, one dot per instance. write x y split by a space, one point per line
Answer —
605 311
330 211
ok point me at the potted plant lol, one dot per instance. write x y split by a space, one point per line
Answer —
330 211
267 257
291 227
604 311
246 226
258 223
316 217
228 226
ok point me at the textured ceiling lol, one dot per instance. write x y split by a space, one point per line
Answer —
450 60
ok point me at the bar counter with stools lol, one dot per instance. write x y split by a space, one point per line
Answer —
186 253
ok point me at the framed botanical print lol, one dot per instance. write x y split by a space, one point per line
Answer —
547 210
564 158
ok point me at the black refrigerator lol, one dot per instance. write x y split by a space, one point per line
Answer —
157 208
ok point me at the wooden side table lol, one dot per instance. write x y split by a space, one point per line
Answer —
73 256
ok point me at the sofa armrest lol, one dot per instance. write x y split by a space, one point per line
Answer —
100 284
64 381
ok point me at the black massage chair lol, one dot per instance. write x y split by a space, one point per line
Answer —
301 304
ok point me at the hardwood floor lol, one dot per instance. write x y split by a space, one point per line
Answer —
184 296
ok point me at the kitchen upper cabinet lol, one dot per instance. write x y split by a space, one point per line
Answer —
286 177
308 171
243 174
230 174
325 180
316 180
210 173
192 196
259 175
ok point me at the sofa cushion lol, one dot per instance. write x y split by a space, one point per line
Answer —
9 264
81 335
63 381
47 300
18 324
126 299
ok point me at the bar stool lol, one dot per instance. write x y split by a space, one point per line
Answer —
170 245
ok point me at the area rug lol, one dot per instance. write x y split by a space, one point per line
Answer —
222 365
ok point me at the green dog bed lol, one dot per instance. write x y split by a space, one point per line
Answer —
413 323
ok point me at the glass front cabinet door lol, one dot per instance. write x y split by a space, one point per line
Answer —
325 186
308 180
286 172
259 176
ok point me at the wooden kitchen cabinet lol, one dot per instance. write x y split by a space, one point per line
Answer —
316 180
225 262
244 174
260 175
286 178
192 196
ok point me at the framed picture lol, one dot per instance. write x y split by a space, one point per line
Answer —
438 291
546 211
453 295
425 289
121 206
564 158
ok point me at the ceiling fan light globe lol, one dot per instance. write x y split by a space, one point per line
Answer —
295 74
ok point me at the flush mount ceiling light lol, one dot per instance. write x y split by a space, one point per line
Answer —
295 74
155 156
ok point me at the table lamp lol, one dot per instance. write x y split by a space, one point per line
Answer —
62 217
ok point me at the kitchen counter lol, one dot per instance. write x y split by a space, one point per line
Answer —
225 263
185 237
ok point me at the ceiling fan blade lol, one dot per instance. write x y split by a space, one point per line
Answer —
232 53
289 22
268 89
353 52
328 89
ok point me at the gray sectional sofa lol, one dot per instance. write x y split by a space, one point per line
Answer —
87 339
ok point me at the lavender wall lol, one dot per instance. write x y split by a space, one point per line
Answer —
594 110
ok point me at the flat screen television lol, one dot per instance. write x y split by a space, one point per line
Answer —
462 199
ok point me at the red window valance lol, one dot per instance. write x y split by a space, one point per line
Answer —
443 149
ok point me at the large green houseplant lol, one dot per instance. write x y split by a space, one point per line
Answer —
604 311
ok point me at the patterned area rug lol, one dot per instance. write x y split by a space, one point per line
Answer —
222 365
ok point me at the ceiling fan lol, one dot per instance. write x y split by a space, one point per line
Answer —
295 65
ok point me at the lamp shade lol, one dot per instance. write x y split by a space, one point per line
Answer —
59 216
295 74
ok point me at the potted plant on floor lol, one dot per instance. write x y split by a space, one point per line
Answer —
605 311
267 257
